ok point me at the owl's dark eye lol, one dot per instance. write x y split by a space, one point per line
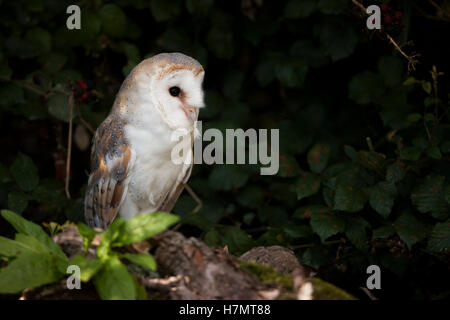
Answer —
174 91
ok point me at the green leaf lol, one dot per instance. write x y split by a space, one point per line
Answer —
371 160
355 229
12 248
32 243
114 20
199 6
299 8
58 107
88 268
338 39
12 94
165 10
439 240
31 229
318 157
273 216
220 41
144 226
445 147
291 73
17 201
365 88
348 198
237 240
108 237
288 166
298 231
308 211
87 233
446 192
391 69
420 142
197 220
429 197
410 230
307 185
41 39
410 153
308 52
5 71
426 86
212 238
332 6
29 270
429 117
4 175
414 117
25 172
131 51
326 224
434 152
51 193
250 197
91 25
383 232
143 259
227 177
381 201
314 257
114 282
395 172
350 152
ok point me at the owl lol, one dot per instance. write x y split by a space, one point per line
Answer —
131 166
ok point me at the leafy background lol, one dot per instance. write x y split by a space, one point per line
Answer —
310 68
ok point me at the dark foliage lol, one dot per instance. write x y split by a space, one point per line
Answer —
364 143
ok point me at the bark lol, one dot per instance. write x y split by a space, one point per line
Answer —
206 273
189 269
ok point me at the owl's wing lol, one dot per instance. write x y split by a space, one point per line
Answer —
111 160
177 189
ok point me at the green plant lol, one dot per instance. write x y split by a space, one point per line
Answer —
364 163
34 259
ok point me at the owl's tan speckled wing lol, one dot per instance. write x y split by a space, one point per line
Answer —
176 191
111 160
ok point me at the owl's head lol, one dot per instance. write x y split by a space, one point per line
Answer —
172 84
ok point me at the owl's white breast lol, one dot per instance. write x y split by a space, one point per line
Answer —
154 174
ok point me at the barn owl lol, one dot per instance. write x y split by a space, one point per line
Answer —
131 167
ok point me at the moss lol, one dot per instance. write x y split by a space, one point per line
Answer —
267 274
322 290
326 291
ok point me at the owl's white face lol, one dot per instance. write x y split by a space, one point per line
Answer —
178 96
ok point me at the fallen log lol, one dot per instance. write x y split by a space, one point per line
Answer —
189 269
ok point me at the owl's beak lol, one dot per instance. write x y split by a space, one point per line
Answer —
190 112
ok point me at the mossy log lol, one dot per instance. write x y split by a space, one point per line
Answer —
189 269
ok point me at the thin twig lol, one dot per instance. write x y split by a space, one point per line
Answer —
196 198
359 5
430 16
25 85
369 144
196 209
85 123
369 294
434 4
412 61
69 147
